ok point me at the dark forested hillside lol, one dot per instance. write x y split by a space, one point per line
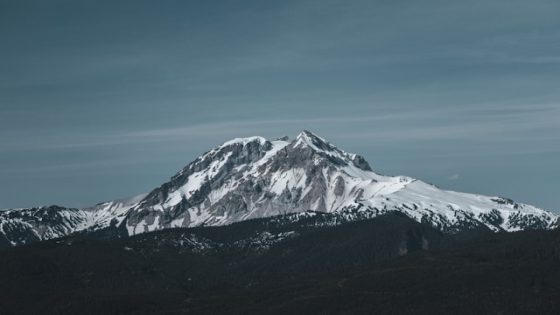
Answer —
390 264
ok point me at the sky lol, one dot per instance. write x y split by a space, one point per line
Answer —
108 99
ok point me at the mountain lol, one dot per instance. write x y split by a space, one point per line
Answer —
23 226
250 178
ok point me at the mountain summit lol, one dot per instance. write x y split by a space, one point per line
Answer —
248 178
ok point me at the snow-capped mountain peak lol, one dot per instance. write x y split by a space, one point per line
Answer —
252 178
244 141
309 138
247 178
321 146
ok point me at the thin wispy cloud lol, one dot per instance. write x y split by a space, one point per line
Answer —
512 123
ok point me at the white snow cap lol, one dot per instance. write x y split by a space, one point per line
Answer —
244 141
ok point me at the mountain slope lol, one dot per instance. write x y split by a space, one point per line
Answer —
24 226
253 178
248 178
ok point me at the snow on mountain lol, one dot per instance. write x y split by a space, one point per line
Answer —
112 212
249 178
253 178
22 226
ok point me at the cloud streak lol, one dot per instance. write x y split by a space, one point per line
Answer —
484 124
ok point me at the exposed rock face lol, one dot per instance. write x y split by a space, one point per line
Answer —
253 178
23 226
30 225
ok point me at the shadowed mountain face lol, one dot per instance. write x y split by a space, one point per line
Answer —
252 178
389 264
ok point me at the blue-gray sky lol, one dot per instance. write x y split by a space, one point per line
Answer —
108 99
